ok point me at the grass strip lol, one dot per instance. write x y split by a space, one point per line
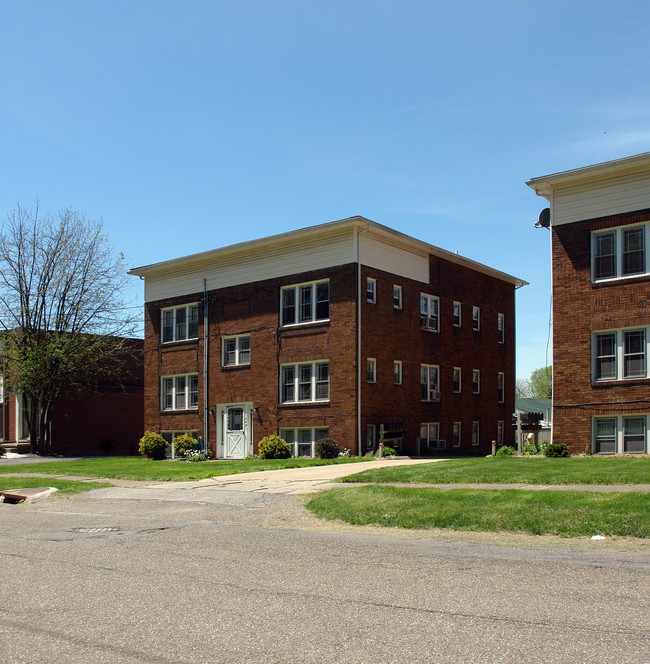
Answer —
515 470
137 468
563 513
66 487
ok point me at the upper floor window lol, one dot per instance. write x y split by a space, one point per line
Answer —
305 303
501 387
397 297
429 383
476 381
619 354
371 290
236 350
180 323
429 312
305 382
457 379
501 328
476 319
619 252
372 370
180 392
457 314
397 372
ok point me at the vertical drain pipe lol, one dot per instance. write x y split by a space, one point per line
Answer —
359 293
206 411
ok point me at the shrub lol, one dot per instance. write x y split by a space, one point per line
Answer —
273 447
184 443
327 448
152 446
388 451
196 455
529 450
506 450
556 450
3 450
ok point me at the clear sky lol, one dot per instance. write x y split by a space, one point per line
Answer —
191 125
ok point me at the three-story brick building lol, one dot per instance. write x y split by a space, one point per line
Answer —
342 330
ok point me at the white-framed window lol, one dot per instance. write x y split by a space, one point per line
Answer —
371 290
458 374
619 252
371 436
397 372
501 389
397 297
236 351
501 322
621 434
169 439
457 309
179 392
305 382
475 433
429 312
476 318
500 430
180 323
456 434
430 435
620 354
305 303
476 381
429 382
302 440
371 370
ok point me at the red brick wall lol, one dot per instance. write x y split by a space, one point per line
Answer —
579 307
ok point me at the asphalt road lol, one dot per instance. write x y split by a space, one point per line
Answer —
225 576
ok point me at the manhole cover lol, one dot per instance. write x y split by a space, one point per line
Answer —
94 529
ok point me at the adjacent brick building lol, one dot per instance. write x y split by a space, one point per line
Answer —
599 221
345 330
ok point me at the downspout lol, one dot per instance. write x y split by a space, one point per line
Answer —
367 228
206 411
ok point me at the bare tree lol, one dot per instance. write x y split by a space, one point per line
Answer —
522 388
62 310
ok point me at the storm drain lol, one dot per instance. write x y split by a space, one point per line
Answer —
94 530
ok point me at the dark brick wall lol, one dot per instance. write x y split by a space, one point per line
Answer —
578 308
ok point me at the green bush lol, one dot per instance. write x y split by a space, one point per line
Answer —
184 443
152 446
196 455
327 448
388 451
273 447
529 450
556 450
506 450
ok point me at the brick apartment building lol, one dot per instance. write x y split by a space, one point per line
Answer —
599 222
344 330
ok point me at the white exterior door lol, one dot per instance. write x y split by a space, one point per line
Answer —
236 431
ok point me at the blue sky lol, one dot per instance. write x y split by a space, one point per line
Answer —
191 125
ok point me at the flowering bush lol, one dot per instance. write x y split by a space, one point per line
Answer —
196 455
184 443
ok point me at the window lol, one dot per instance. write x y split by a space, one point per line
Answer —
179 323
475 433
621 434
371 290
476 381
169 439
501 388
397 297
634 434
429 383
457 379
634 354
302 440
371 431
456 434
305 303
619 354
429 307
501 328
605 356
236 350
605 435
372 370
308 382
476 319
499 433
619 252
397 372
180 392
430 436
457 314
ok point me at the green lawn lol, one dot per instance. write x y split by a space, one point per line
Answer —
516 470
64 486
563 513
137 468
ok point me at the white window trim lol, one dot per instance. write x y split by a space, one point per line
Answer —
619 342
501 328
501 387
619 433
460 380
618 240
429 321
187 391
460 314
296 381
371 369
397 297
433 387
296 288
476 433
397 372
371 290
173 434
476 372
175 309
238 350
434 443
314 439
457 442
476 319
